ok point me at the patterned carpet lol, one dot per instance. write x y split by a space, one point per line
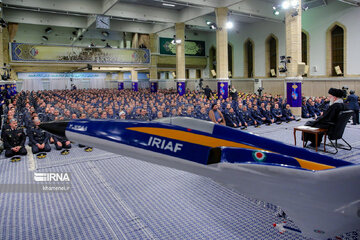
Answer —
116 197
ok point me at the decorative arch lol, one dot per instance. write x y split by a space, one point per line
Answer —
212 60
249 59
231 59
305 49
271 54
336 45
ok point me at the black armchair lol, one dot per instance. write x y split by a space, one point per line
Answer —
336 131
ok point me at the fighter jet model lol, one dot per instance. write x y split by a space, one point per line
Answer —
319 193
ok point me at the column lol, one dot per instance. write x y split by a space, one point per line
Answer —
222 72
4 43
154 85
180 58
135 41
134 80
293 79
120 81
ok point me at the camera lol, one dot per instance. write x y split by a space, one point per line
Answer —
284 61
345 89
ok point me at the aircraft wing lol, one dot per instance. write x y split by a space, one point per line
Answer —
318 192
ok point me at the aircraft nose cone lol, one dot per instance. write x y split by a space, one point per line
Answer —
57 127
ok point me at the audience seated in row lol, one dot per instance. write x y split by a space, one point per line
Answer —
240 110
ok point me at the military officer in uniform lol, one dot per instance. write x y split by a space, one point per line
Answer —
304 110
14 140
38 138
288 114
61 142
232 119
256 113
277 113
353 101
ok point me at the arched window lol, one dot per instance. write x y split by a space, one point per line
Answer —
249 59
271 56
212 60
337 50
304 49
230 59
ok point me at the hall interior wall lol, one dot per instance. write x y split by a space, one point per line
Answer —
315 21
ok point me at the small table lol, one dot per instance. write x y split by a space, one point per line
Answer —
311 130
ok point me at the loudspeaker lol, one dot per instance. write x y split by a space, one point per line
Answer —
301 69
306 69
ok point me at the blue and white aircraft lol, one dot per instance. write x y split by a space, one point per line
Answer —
319 193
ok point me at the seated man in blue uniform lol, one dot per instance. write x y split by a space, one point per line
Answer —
304 110
288 114
203 114
314 112
144 116
61 142
240 114
189 113
232 119
268 115
256 113
38 138
277 113
248 118
330 115
14 140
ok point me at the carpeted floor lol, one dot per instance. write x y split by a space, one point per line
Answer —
116 197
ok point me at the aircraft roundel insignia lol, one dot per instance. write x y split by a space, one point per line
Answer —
259 156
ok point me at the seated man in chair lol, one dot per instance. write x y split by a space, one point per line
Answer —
330 115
